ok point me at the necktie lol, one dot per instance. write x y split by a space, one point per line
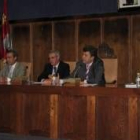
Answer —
54 71
87 70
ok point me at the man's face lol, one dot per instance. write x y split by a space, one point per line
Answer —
53 59
87 58
10 58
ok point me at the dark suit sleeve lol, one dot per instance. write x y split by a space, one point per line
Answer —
98 74
44 74
66 71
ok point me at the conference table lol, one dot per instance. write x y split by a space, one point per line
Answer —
70 112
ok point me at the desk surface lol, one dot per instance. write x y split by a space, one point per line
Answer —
72 90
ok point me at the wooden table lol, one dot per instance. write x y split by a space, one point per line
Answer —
76 113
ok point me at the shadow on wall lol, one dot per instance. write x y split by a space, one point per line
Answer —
105 51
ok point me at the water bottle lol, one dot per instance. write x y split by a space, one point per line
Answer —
53 81
138 80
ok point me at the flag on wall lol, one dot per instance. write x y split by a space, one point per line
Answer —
6 40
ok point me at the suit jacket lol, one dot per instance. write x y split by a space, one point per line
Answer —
63 71
19 71
95 74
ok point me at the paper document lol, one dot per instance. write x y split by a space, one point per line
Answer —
130 85
88 85
37 82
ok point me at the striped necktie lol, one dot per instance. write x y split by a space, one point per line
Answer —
87 70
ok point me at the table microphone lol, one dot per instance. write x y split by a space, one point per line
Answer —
77 70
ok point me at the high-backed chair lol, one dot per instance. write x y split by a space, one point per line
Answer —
72 65
111 70
28 67
2 63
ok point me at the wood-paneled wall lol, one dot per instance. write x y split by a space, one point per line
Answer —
33 40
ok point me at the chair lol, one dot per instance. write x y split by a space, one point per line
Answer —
72 65
28 67
111 70
2 63
26 64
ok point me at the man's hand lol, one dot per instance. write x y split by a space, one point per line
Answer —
47 82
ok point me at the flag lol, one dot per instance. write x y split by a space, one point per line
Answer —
6 40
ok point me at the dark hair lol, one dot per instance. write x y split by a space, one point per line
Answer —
15 54
92 50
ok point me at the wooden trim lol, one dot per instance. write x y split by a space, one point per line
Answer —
130 38
76 38
91 105
54 116
102 30
133 118
53 37
31 49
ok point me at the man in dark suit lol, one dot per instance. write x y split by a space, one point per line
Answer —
55 67
91 68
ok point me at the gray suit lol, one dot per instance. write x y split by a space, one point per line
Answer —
95 74
19 71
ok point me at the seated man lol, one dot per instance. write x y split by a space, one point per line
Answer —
91 68
54 67
12 69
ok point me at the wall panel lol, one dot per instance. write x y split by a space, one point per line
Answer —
135 46
64 40
21 41
34 40
89 34
42 44
116 34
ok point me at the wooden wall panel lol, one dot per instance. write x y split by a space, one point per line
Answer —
21 41
71 107
34 40
116 34
8 109
36 123
89 34
135 46
112 118
64 40
42 44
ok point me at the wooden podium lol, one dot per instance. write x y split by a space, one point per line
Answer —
74 113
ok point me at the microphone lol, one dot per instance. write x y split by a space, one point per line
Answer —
77 70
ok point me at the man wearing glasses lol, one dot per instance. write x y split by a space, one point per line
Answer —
55 67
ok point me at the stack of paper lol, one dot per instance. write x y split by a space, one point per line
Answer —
130 85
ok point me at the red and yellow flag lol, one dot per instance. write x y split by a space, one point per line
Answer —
6 40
